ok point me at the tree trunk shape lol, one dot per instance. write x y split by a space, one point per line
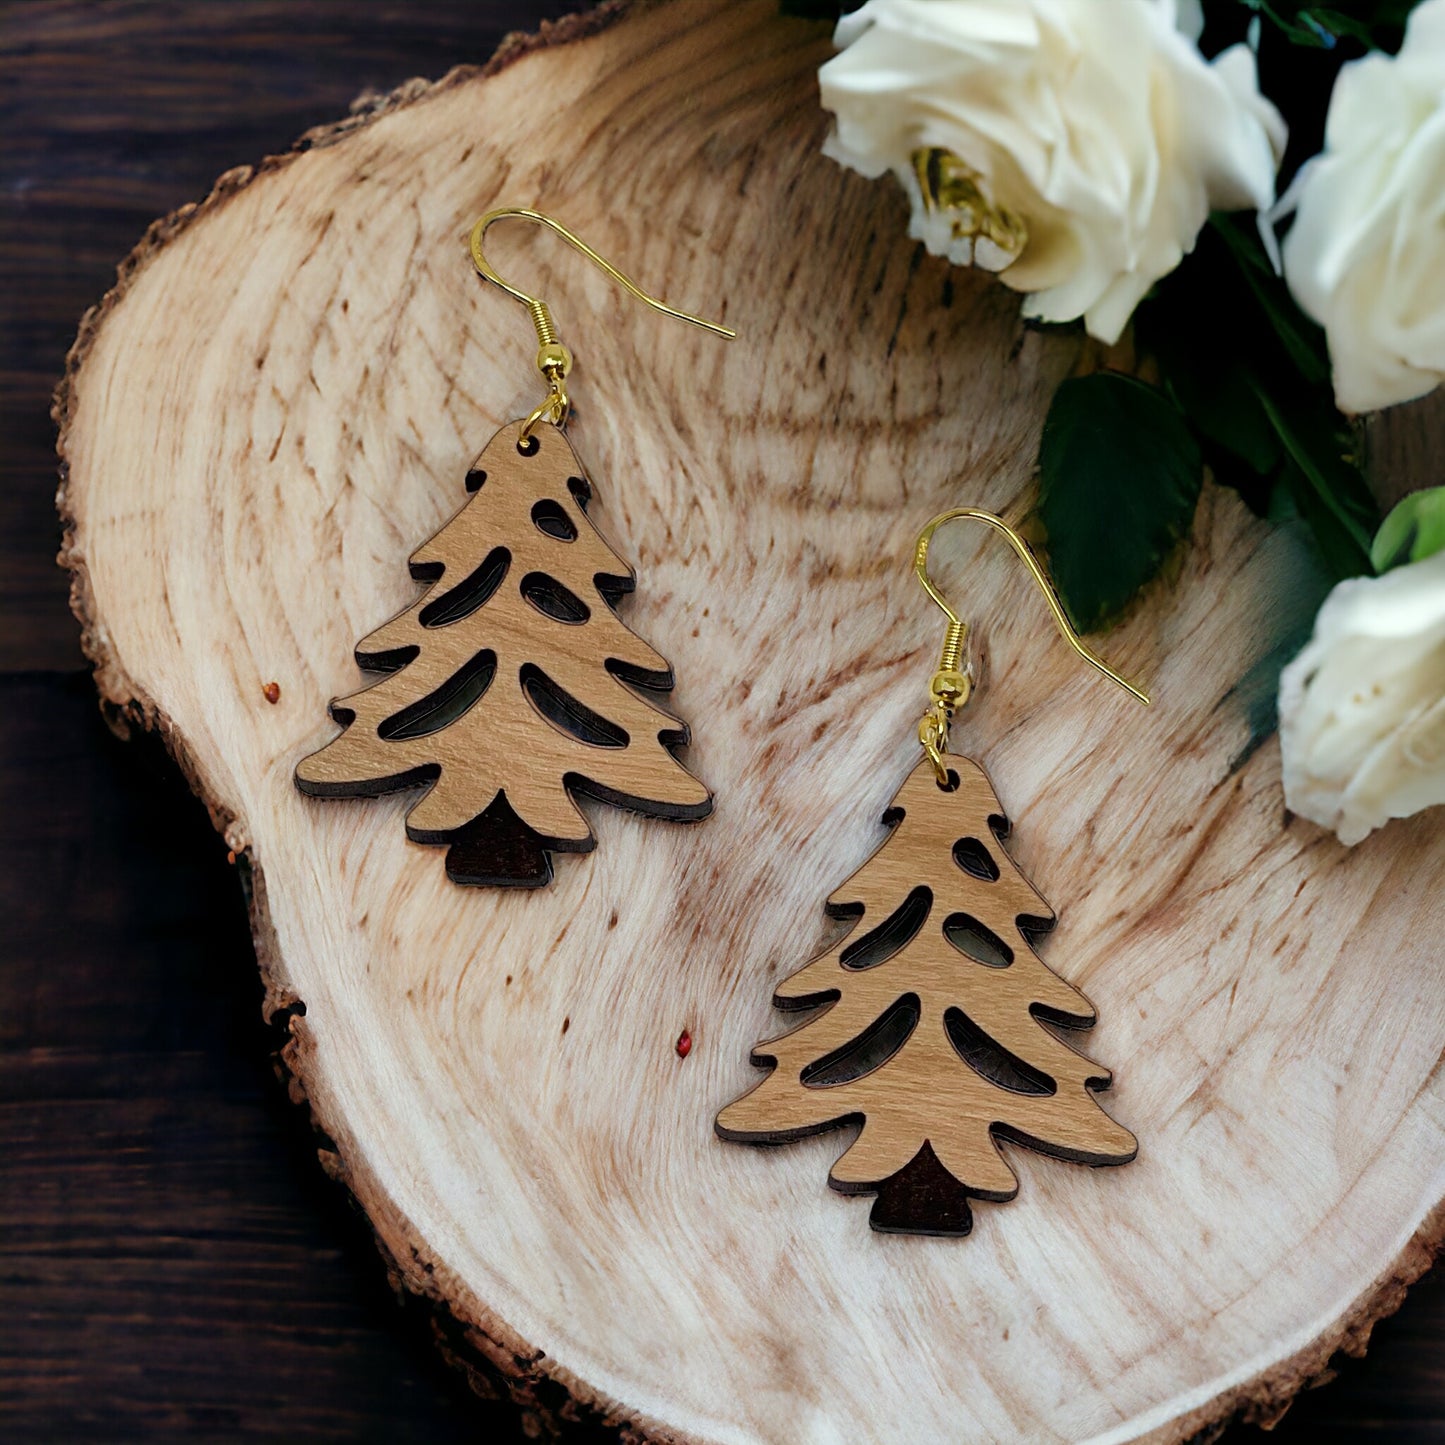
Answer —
495 1070
933 1033
509 681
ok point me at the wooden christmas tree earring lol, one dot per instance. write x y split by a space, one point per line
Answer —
511 684
937 1029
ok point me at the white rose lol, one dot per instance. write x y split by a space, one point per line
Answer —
1366 254
1075 147
1362 708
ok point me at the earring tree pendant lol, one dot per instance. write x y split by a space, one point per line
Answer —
939 1028
511 686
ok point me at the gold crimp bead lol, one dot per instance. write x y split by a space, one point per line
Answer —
950 689
554 361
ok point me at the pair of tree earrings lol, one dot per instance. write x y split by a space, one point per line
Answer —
511 687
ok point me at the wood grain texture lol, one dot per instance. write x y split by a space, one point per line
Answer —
512 683
1230 899
943 977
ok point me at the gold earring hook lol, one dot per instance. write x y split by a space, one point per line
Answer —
554 360
952 683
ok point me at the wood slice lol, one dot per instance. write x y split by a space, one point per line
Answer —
279 401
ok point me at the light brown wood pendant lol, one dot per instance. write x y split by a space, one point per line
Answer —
938 1029
512 684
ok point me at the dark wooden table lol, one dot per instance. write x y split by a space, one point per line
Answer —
175 1265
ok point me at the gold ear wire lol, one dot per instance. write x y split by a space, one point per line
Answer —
952 682
554 360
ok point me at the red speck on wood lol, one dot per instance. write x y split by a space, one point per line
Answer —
272 692
684 1044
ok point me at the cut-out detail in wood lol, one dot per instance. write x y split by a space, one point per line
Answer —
512 686
933 1032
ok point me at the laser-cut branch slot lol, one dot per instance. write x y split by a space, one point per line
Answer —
895 933
553 600
473 591
869 1051
567 713
978 941
440 709
990 1060
975 860
551 519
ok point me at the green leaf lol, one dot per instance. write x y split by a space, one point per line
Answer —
1222 403
1302 339
1251 374
1413 531
1377 24
1335 486
1119 477
1337 546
